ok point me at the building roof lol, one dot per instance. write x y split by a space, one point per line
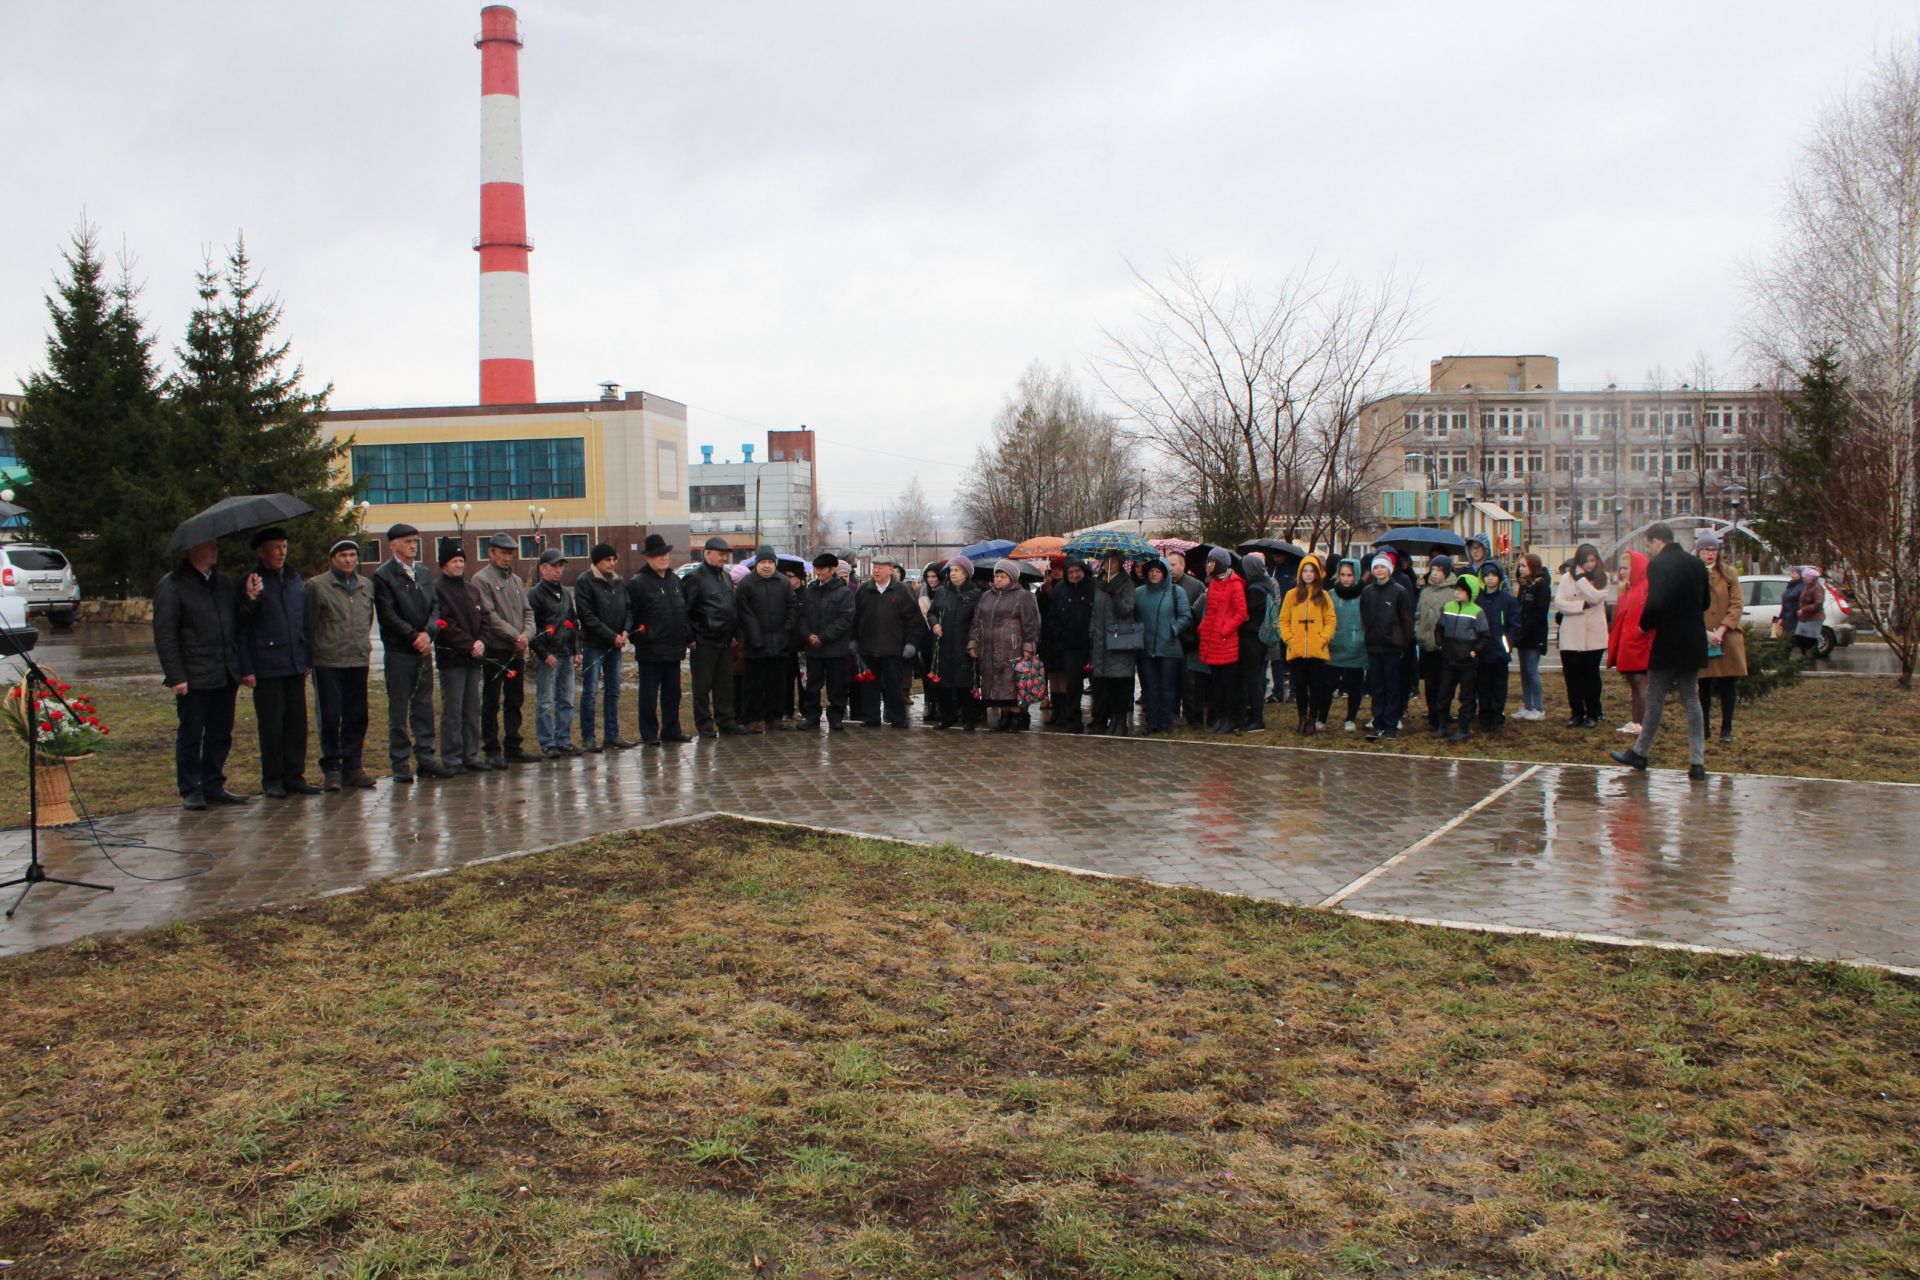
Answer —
632 400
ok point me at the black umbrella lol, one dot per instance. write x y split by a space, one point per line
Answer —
983 572
242 514
1421 542
1273 547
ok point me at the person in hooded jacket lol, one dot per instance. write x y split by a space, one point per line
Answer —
1536 606
950 667
765 605
1308 621
1502 610
1067 635
1726 636
1161 606
659 631
1253 648
1112 669
1479 556
1220 629
1628 647
1347 654
1386 621
824 635
1460 636
1435 596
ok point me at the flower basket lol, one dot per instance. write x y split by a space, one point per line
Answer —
55 792
54 732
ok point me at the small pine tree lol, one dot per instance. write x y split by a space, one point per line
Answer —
1788 511
243 422
1771 666
91 423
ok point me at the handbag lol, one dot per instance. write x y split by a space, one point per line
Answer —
1126 635
1029 681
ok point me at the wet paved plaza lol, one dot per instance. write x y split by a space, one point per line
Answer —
1820 869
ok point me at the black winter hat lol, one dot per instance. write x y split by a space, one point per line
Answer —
656 546
605 551
826 560
453 550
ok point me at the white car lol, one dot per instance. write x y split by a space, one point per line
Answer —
1762 607
41 578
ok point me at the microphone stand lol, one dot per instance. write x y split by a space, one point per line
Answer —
35 873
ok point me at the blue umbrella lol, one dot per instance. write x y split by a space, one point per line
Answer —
1096 543
991 549
1419 542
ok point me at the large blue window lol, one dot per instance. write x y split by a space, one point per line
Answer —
472 471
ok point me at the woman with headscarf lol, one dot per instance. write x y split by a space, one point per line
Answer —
1347 655
1581 600
1113 602
1811 614
1726 637
950 672
1629 649
1536 607
1005 629
1253 645
1307 625
1161 607
1226 611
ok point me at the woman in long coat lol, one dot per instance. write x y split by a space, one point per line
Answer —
1722 673
950 665
1112 668
1006 628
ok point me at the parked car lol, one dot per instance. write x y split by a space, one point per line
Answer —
16 633
41 577
1763 592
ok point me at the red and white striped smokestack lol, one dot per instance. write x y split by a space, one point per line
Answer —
506 306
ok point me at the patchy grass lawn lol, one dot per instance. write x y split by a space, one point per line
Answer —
1859 727
734 1050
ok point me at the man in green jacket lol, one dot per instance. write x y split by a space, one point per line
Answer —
339 640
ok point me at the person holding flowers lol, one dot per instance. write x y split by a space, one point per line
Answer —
556 652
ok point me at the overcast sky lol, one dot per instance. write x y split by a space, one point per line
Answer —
871 217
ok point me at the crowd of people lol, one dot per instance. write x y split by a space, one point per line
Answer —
1115 646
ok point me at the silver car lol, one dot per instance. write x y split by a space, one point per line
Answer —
1762 605
41 579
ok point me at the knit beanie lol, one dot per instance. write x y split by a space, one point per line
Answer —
961 563
1381 561
1220 555
765 553
1444 563
1704 538
1008 567
603 551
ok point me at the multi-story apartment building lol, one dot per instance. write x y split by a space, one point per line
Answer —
1576 464
749 502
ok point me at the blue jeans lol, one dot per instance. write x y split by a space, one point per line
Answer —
1161 679
1532 695
1384 684
599 681
553 702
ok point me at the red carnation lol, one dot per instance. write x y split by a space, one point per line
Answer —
550 628
442 624
568 624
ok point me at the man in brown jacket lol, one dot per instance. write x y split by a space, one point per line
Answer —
507 631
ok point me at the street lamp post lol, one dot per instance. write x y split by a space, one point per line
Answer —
1619 509
537 516
461 514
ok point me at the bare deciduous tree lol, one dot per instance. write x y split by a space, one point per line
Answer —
911 519
1847 275
1253 398
1055 464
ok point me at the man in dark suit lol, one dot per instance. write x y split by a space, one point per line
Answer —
1678 595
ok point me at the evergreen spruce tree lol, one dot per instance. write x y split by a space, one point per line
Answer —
243 422
89 418
1802 457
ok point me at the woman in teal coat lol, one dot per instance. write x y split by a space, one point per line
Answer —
1162 609
1347 655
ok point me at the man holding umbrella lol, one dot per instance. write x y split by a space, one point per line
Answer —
196 635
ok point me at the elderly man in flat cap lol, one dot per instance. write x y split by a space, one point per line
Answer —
508 632
274 662
339 628
403 605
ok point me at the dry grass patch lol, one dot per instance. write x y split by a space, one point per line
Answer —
734 1050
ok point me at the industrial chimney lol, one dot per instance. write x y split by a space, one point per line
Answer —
506 307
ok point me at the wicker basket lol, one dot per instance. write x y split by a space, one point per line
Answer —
55 792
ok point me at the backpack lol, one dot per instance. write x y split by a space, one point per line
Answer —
1270 621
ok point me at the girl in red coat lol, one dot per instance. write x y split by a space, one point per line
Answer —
1220 640
1629 649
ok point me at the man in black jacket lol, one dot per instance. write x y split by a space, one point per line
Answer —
555 649
1193 683
196 621
766 605
274 663
601 602
1386 620
885 620
1066 632
713 617
403 610
825 636
657 624
1678 597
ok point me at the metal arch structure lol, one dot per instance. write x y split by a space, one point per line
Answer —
1725 528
